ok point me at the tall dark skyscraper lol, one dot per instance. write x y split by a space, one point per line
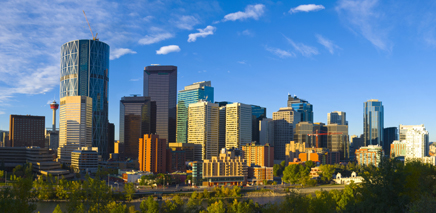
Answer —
390 134
373 122
160 84
110 137
136 120
85 72
26 130
257 114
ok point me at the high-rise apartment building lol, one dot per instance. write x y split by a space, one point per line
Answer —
373 122
337 140
203 129
398 148
303 107
371 154
390 134
152 154
137 118
337 117
176 158
75 125
258 155
258 113
284 122
85 72
417 142
26 130
238 125
160 84
266 131
227 169
191 94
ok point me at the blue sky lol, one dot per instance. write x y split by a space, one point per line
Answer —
335 54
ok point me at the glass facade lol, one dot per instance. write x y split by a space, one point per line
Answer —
136 119
160 84
191 94
85 72
257 113
373 122
302 106
390 134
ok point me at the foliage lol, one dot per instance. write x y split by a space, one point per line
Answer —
114 207
277 170
173 206
292 173
327 172
309 164
227 192
217 207
149 205
129 189
57 209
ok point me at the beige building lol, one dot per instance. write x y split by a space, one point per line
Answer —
75 125
238 125
226 169
284 124
259 174
187 147
203 129
259 155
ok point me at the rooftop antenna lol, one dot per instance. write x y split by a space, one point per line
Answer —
93 38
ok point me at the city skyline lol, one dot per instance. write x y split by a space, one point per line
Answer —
241 53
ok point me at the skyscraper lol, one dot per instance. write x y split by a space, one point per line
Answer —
203 129
191 94
136 120
302 106
390 134
257 114
85 72
337 117
302 129
373 122
160 84
75 125
338 142
26 130
266 131
152 154
416 139
238 125
284 122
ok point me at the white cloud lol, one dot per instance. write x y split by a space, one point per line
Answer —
135 79
117 53
363 18
246 33
186 22
329 45
168 49
151 39
306 8
202 33
279 52
1 112
305 50
251 11
242 62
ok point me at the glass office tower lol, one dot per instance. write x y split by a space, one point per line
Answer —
160 84
191 94
390 134
302 106
257 114
373 122
137 118
85 72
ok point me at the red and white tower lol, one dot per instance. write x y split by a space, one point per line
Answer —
54 106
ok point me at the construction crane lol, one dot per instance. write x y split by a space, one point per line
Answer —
93 38
316 134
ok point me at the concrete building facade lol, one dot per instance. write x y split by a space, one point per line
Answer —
152 154
258 155
337 117
26 130
75 125
238 125
225 169
284 123
203 130
371 154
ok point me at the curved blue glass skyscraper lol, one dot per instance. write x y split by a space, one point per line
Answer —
85 71
373 122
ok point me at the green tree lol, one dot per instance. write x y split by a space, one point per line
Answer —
114 207
283 164
57 209
21 190
217 207
206 193
174 206
149 205
327 172
129 189
292 173
132 209
310 164
194 204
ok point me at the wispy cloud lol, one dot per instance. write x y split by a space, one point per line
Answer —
185 22
1 112
306 8
117 53
135 79
279 52
329 45
168 49
151 39
246 33
209 30
305 50
242 62
363 18
251 11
